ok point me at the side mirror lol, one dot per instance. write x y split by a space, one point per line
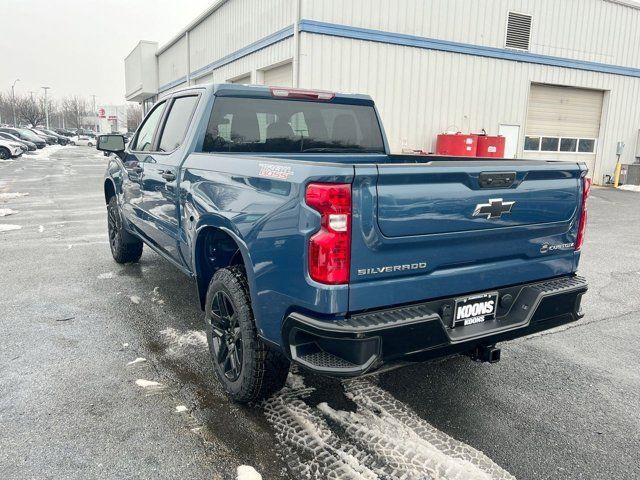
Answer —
110 143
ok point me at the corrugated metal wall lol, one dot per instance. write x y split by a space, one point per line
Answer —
172 63
235 25
593 30
425 92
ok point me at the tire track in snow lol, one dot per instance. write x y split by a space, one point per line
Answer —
382 439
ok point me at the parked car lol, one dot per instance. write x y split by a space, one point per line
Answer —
62 140
50 139
83 140
65 132
9 149
29 146
25 134
310 243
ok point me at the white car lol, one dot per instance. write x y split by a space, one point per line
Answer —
83 140
9 149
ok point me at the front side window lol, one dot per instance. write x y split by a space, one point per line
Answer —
291 126
177 123
144 139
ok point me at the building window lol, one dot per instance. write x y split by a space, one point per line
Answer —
559 144
549 144
586 145
518 31
532 144
568 144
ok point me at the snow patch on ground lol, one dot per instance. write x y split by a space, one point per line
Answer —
155 296
630 188
41 228
245 472
104 276
7 211
181 409
381 439
177 341
134 299
150 387
136 361
6 227
12 195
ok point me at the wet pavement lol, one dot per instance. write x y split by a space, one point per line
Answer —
563 404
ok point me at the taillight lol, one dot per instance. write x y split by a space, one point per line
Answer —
330 247
586 187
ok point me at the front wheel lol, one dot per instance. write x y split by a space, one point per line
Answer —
5 154
89 144
248 369
123 251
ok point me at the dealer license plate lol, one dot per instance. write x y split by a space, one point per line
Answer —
475 309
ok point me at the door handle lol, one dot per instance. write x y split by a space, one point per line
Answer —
169 176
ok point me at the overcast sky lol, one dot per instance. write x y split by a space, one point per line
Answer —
78 46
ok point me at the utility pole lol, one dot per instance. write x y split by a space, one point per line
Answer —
95 115
13 101
46 107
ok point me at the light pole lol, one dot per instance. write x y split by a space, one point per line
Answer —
13 101
95 115
46 107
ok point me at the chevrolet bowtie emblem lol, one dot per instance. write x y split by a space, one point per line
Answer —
494 209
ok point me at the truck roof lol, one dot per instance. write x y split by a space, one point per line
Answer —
263 91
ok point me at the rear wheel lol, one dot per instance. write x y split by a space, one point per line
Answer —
89 144
5 154
248 369
123 251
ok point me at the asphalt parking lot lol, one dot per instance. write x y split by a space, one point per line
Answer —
104 371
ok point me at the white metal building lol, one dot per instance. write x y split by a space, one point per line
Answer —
559 79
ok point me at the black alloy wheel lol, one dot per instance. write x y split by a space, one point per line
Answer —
226 336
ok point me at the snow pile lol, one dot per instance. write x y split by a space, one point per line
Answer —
177 342
136 361
7 211
12 195
6 227
245 472
630 188
382 439
150 387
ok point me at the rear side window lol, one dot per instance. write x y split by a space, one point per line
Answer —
144 139
177 123
291 126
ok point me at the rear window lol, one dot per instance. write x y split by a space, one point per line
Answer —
291 126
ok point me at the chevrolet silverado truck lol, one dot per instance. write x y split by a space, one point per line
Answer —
311 244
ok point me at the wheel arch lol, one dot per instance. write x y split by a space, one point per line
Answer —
216 247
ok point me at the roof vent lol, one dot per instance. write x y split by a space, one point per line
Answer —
518 31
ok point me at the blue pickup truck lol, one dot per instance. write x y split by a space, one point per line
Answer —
310 243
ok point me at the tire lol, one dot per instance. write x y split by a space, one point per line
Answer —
123 252
5 154
89 144
248 369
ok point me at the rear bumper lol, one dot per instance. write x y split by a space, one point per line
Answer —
411 333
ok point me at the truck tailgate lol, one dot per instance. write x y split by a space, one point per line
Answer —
443 228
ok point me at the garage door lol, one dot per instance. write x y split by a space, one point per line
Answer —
246 80
281 76
563 123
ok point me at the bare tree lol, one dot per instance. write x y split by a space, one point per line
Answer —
134 116
30 110
73 108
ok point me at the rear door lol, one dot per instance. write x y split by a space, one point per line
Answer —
159 204
451 227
